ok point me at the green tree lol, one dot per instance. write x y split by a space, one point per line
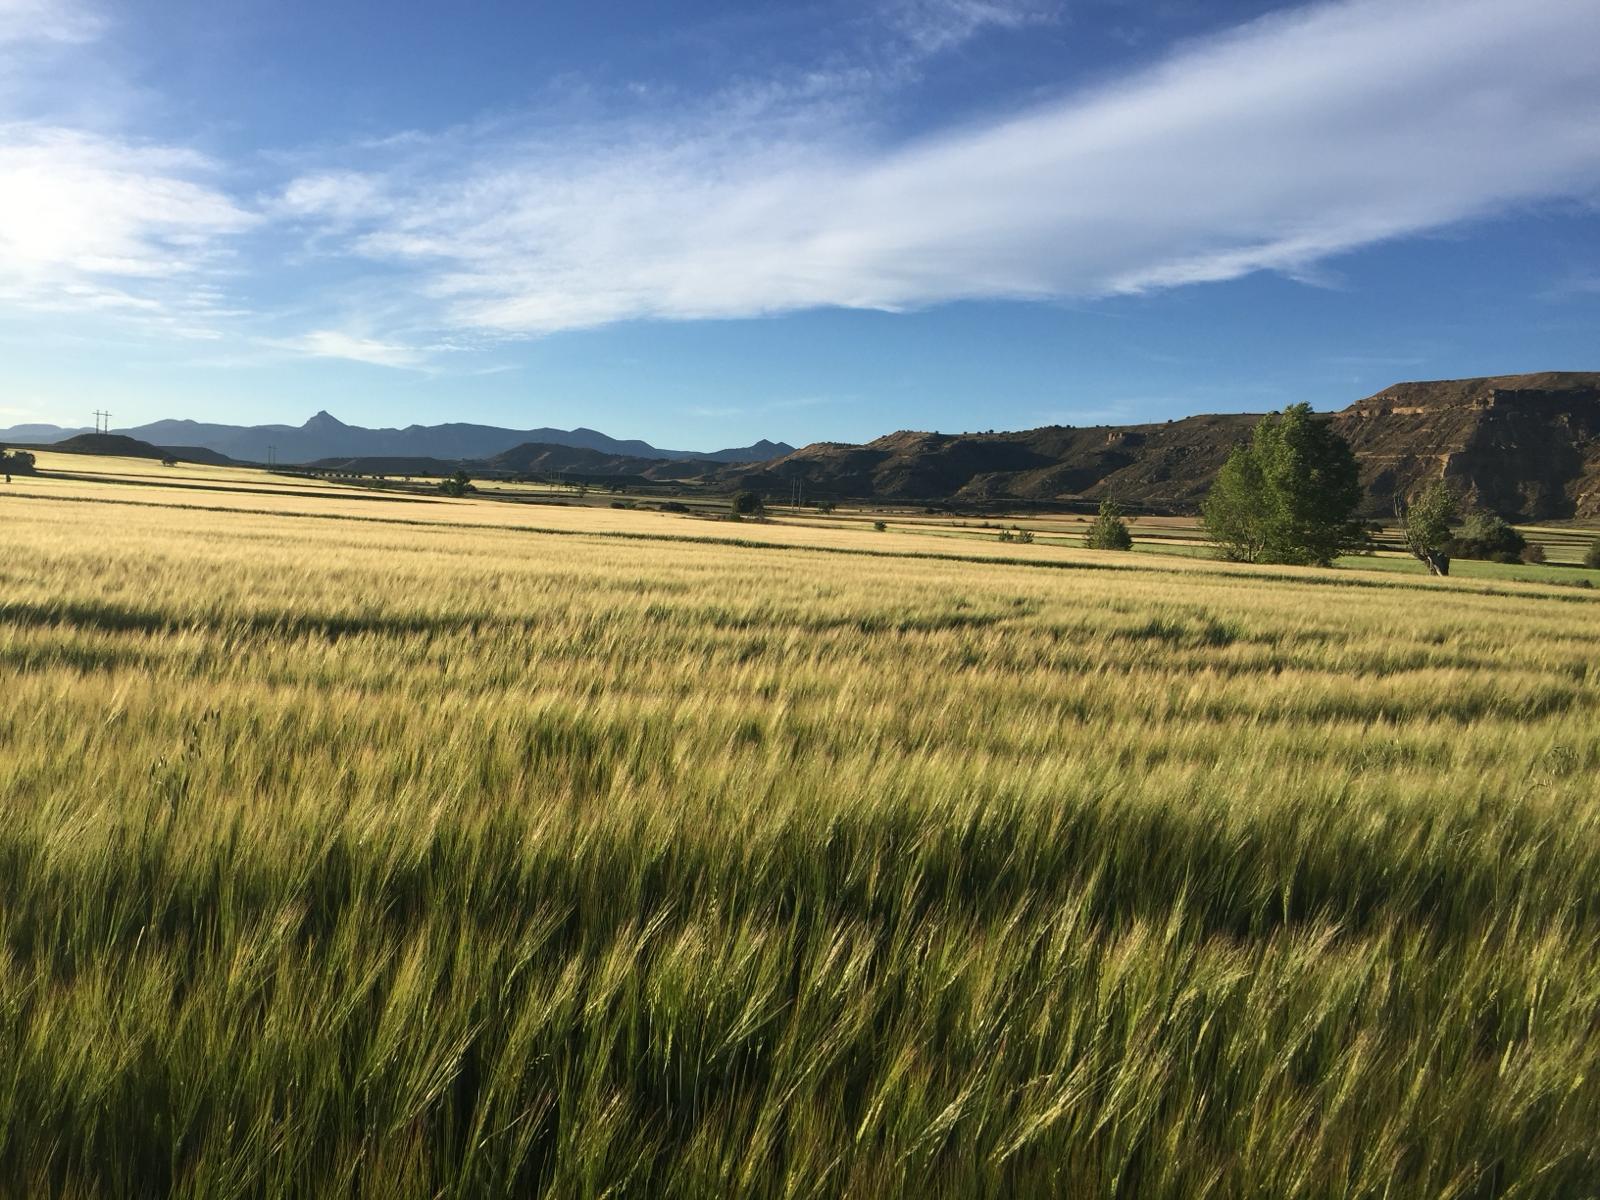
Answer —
747 504
1109 531
19 462
1235 513
458 484
1426 526
1289 495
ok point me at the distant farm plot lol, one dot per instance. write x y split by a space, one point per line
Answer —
376 843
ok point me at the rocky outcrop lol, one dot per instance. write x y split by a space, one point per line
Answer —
1519 445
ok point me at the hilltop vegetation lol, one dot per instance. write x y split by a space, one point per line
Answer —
353 849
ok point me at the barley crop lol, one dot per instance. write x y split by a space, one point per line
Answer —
383 849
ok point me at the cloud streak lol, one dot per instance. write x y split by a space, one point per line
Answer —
331 343
90 223
97 223
1277 147
934 26
1274 147
47 21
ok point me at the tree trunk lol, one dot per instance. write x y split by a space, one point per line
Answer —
1438 563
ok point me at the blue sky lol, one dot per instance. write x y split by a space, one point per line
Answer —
704 223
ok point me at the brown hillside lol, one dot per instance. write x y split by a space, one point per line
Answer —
1524 445
541 458
1167 465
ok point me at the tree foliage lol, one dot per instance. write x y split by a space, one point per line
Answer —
1426 526
1109 531
1289 495
1487 536
747 504
458 484
17 462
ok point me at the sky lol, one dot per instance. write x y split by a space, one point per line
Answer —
703 222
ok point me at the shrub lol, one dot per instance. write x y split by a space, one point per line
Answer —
1109 531
1591 556
457 485
747 504
880 526
674 506
1533 552
1487 537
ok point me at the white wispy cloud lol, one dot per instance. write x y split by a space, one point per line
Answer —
47 21
333 195
88 205
934 26
90 223
332 343
1277 146
95 221
1287 141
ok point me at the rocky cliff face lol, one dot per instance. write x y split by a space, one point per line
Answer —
1523 445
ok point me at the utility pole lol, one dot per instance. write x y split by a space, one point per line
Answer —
272 457
102 421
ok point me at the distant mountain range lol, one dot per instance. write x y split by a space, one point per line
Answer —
325 436
1525 446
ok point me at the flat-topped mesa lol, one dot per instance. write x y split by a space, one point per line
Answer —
1543 388
1521 445
910 441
